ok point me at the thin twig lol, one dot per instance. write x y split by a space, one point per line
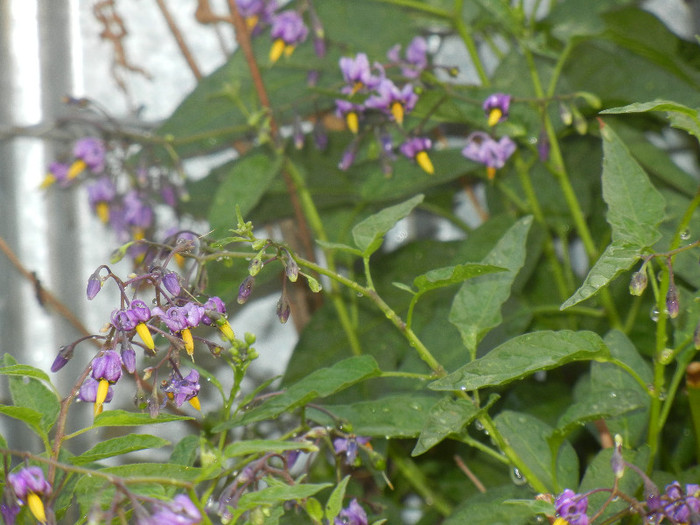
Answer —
180 39
464 468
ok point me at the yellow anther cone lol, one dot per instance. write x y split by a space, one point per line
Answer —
561 521
356 87
276 50
97 409
491 172
76 169
251 22
288 50
189 342
424 162
353 122
48 181
145 335
494 116
397 111
102 390
195 403
102 210
37 507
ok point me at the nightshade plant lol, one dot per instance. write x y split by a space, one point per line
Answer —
537 366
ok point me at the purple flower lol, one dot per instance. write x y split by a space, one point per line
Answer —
496 107
29 485
353 514
94 285
348 157
257 13
173 318
678 505
88 391
141 312
91 151
9 512
357 74
416 149
181 389
416 57
124 320
349 447
350 112
58 172
288 30
108 366
245 289
483 149
137 212
572 507
393 101
181 511
171 281
100 194
193 314
212 308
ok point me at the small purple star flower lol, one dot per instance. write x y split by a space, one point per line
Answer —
29 485
100 194
358 74
483 149
353 514
416 149
496 107
393 101
572 507
92 152
350 112
137 212
181 511
58 172
416 57
349 447
288 30
182 388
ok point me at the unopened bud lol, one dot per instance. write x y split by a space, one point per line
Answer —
291 269
284 309
245 289
314 285
565 114
255 265
638 283
65 353
171 281
672 307
617 462
94 286
580 123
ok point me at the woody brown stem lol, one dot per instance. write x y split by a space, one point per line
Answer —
180 39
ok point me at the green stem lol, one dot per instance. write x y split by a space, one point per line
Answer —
424 487
312 215
466 36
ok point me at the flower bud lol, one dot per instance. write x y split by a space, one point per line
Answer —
94 285
617 462
638 283
171 281
291 269
255 265
672 302
284 309
314 285
245 289
65 353
565 114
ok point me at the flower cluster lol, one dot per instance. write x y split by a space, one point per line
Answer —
571 508
370 93
677 504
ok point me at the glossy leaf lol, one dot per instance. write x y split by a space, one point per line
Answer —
335 500
369 234
397 416
263 446
118 446
529 438
476 308
447 416
680 116
320 383
449 275
489 508
524 355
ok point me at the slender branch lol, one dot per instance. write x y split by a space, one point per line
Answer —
179 38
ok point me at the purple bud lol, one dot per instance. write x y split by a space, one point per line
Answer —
543 146
284 309
672 302
348 157
171 281
617 463
65 353
638 283
94 286
245 289
128 357
291 269
353 514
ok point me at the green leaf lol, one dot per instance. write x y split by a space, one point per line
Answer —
122 418
680 116
528 436
185 451
275 495
447 416
615 259
369 234
476 308
635 207
117 446
488 508
320 383
524 355
30 416
449 275
261 446
397 416
335 500
245 182
338 246
25 371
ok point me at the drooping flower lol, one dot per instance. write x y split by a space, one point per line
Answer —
181 389
29 485
215 313
350 112
179 319
58 172
100 194
89 152
349 447
106 369
483 149
88 391
393 101
180 511
135 318
496 107
416 148
288 30
416 57
679 505
572 507
353 514
358 74
256 12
